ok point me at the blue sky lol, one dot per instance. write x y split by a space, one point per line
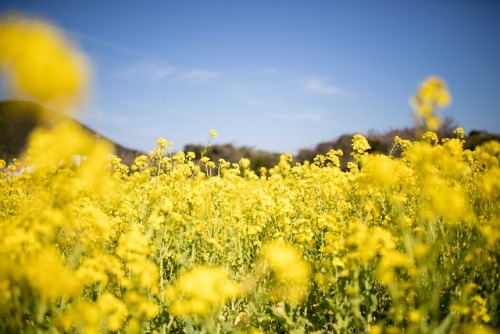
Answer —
277 75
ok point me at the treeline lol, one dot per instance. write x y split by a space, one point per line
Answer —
230 153
381 142
19 118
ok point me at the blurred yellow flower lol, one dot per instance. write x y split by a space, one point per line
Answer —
433 90
433 122
290 270
40 63
200 291
114 309
244 162
381 170
431 95
50 277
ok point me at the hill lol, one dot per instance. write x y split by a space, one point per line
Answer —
19 118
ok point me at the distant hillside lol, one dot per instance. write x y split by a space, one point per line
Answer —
19 118
379 142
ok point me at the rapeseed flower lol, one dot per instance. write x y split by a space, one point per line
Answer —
381 170
50 277
200 291
289 269
433 92
360 144
40 63
432 95
114 310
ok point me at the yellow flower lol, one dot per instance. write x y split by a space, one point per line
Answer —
433 123
360 144
291 271
114 309
40 63
434 90
391 263
460 133
244 162
213 133
381 169
491 231
424 110
432 94
200 291
70 144
140 304
414 316
50 277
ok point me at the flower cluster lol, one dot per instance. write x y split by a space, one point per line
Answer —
431 95
394 243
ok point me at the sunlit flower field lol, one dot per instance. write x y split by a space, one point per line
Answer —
403 242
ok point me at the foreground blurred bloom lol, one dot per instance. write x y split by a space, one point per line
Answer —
200 291
290 271
70 144
40 63
50 277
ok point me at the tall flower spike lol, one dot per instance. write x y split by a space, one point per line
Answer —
431 95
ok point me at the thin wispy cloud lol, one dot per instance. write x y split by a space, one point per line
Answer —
313 117
109 45
321 86
146 71
199 76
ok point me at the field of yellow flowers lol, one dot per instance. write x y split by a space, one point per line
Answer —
176 244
